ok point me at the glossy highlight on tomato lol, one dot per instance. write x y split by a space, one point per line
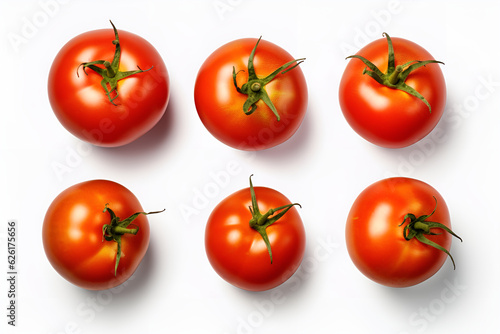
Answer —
220 102
108 117
385 114
77 244
238 252
378 232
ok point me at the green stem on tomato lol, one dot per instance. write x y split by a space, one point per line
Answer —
396 75
110 73
117 228
255 86
419 227
109 69
260 222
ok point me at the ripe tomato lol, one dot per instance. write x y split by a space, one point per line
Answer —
398 232
250 95
252 250
83 105
87 243
392 111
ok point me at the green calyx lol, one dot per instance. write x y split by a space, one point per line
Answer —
396 75
255 87
260 222
117 228
419 227
110 73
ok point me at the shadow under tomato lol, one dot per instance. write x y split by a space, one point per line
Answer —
111 303
144 271
443 288
293 147
291 291
149 144
438 147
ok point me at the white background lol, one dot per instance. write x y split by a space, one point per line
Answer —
323 166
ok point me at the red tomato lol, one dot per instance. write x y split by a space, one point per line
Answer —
81 103
238 114
389 114
392 253
236 233
81 241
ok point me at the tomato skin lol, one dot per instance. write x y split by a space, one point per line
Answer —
80 102
220 106
375 240
388 117
238 253
73 238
